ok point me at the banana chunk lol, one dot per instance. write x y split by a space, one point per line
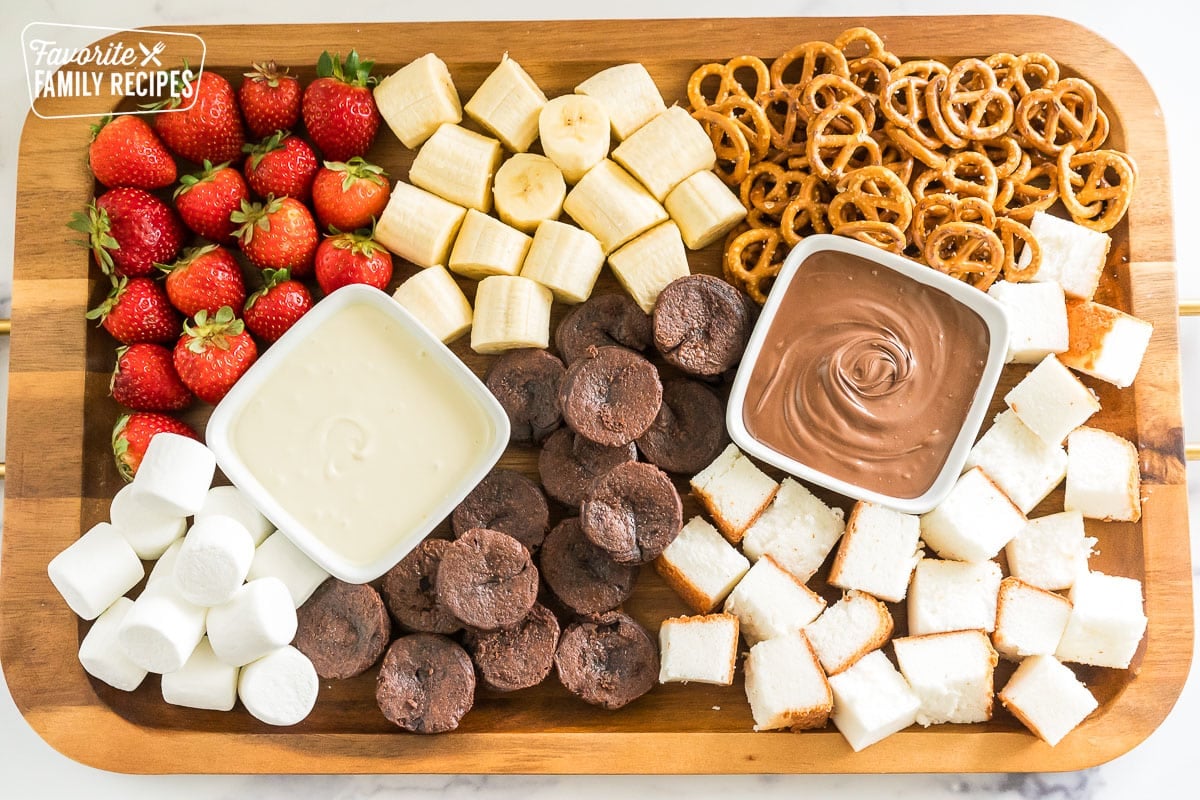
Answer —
417 98
418 225
510 312
704 208
612 206
458 165
435 300
628 94
507 103
665 151
647 264
486 246
574 131
564 259
528 189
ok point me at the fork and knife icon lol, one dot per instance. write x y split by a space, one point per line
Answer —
152 54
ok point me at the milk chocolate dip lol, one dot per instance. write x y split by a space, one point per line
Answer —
866 374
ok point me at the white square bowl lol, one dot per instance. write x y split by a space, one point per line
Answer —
221 426
988 310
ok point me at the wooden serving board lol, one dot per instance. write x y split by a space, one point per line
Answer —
61 477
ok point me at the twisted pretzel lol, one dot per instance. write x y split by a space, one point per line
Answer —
874 45
753 259
974 106
1096 187
1011 232
832 154
1063 113
813 58
966 251
871 194
807 212
733 151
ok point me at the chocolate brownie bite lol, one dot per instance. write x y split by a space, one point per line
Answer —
632 512
603 320
487 579
519 656
508 502
426 683
409 590
569 463
689 431
343 628
609 660
701 325
610 395
526 382
583 576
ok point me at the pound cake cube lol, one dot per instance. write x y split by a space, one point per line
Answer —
1103 479
871 701
951 673
878 552
1073 256
1050 552
797 530
1105 343
1106 622
953 596
1051 401
1024 466
701 649
1037 319
701 566
974 522
1029 621
1047 697
848 630
769 601
785 685
734 491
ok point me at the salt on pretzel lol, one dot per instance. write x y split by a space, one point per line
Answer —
833 152
811 58
1062 113
1011 233
973 105
752 260
871 194
1096 186
967 251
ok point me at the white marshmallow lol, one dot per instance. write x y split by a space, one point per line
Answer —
1024 466
871 701
1103 476
278 558
953 596
175 474
213 560
280 688
1037 319
203 682
1047 697
974 522
1072 255
1106 623
1051 401
95 570
1051 551
229 501
148 531
101 655
258 618
161 629
797 530
164 568
769 602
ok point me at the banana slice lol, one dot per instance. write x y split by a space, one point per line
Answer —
704 208
628 94
564 259
457 165
418 225
647 264
510 312
528 189
507 103
665 151
486 246
609 204
417 98
574 131
435 300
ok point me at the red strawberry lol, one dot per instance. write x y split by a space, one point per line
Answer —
205 200
281 165
274 308
129 230
339 108
280 234
205 278
145 379
137 310
213 353
352 258
270 100
210 129
350 194
132 434
126 152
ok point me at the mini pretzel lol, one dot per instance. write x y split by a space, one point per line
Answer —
973 105
782 109
808 211
1035 188
1020 75
753 122
727 139
1051 117
935 210
826 91
871 194
935 89
728 84
883 235
967 251
904 139
870 74
753 259
814 58
769 187
1010 232
875 48
1096 187
970 174
1004 152
831 155
894 157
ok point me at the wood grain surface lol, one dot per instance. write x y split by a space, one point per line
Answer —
61 477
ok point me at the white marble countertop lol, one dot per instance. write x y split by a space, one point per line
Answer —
1158 37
